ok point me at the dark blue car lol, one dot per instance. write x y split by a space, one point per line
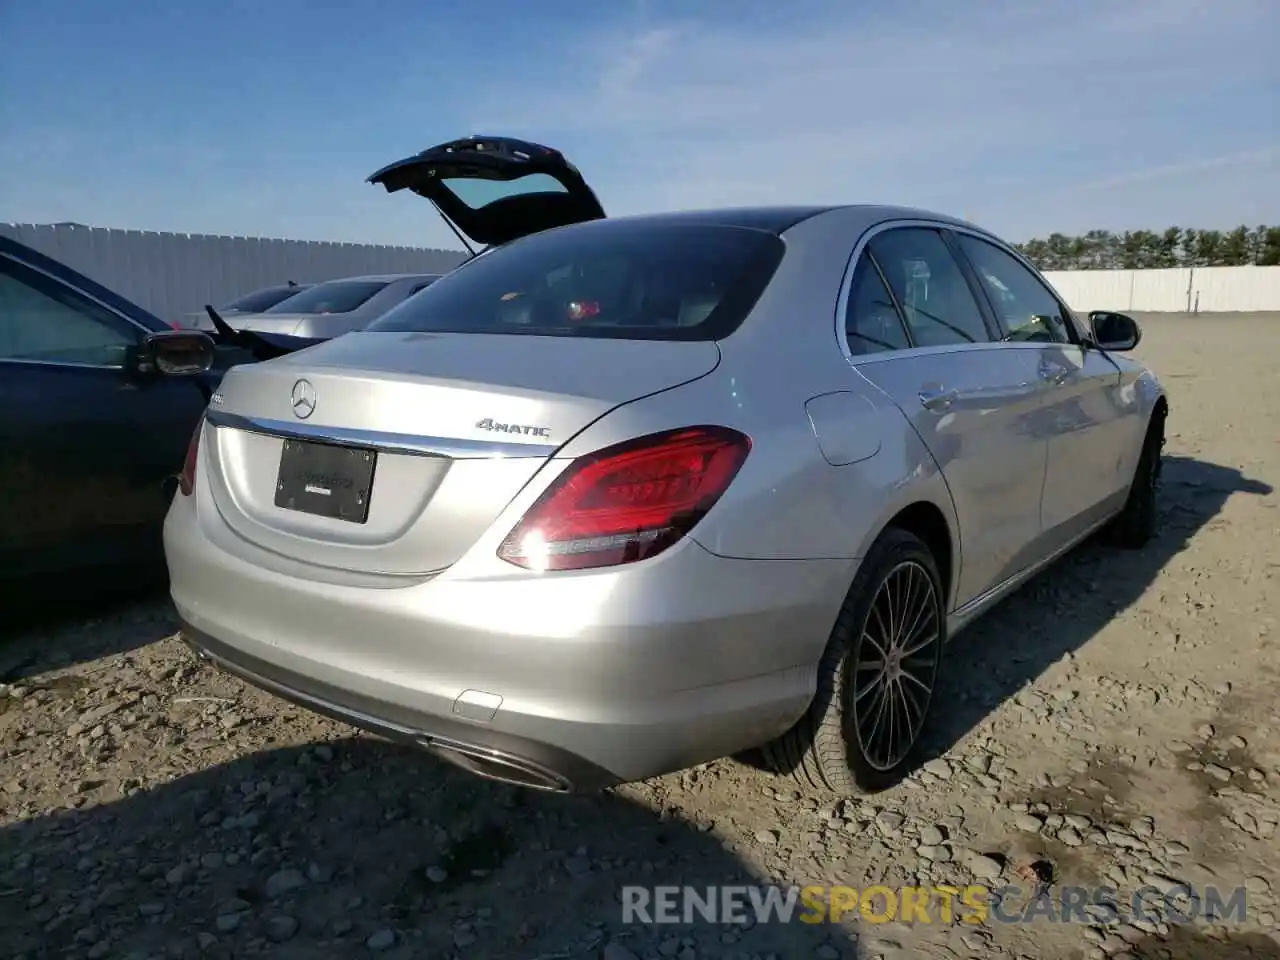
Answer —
90 434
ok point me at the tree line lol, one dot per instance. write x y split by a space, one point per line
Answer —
1145 249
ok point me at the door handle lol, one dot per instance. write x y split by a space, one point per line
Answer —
937 398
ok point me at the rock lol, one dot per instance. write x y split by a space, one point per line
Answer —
1069 837
227 922
437 874
284 881
1257 885
205 939
1217 771
931 836
890 822
983 867
767 837
281 928
616 951
1028 822
939 767
382 939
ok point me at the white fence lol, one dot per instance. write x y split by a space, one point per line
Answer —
1178 290
172 274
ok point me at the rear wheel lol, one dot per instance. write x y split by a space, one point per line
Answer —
1136 523
876 678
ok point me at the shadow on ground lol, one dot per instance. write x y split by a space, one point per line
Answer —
1066 606
381 841
54 625
1063 608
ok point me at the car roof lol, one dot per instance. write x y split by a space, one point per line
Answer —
382 277
778 219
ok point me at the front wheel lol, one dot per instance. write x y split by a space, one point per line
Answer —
876 678
1136 523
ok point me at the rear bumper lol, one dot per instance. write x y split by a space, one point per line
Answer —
566 682
484 753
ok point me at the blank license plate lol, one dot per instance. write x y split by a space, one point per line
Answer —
326 480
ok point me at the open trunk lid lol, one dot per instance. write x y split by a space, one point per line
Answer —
391 453
495 189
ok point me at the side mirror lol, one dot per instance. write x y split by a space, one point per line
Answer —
1115 332
173 353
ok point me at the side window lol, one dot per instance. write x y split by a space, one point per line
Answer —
935 297
871 321
1028 311
40 319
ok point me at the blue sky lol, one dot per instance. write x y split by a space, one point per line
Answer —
253 118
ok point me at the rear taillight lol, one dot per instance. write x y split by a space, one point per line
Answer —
187 479
627 502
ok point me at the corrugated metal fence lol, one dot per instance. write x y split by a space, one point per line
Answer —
172 274
1177 290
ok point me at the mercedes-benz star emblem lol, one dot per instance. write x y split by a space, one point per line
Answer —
303 399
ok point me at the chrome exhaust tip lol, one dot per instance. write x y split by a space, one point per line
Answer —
497 766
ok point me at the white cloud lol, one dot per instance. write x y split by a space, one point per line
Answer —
992 108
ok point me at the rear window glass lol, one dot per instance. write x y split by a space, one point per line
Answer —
476 192
262 299
337 296
630 281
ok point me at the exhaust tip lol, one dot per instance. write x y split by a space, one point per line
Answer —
497 766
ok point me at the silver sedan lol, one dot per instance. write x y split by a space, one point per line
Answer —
625 495
330 309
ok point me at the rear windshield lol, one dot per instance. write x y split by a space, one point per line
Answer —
260 300
624 280
336 296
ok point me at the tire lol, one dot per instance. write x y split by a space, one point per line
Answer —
1135 525
832 748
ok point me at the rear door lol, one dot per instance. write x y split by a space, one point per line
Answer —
1090 428
84 450
495 189
917 330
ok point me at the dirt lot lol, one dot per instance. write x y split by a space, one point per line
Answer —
1115 723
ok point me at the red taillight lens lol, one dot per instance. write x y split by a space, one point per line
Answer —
627 502
187 479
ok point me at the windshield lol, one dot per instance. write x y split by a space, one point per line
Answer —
261 300
626 280
336 296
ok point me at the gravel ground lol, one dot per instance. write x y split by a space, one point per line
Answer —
1114 723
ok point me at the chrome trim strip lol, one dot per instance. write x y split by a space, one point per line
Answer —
846 283
403 443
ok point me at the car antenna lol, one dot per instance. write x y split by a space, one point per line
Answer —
456 232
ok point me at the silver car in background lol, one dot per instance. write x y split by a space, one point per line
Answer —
330 309
254 302
626 495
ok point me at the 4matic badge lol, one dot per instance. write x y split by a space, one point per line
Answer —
523 429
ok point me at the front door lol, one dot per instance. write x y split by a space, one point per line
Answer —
1090 428
84 449
973 401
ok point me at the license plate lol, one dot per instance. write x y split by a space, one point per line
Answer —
326 480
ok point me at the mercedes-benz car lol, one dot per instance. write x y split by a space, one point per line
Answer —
624 495
249 303
332 308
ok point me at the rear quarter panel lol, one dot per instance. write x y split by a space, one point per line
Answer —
788 502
